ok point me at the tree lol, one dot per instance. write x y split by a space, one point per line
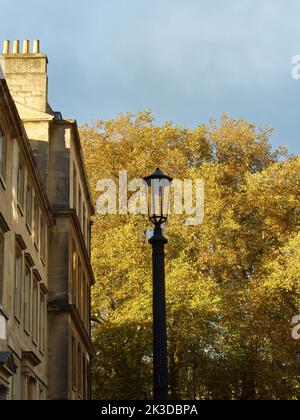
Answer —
232 282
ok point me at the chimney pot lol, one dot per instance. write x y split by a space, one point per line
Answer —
16 47
6 47
26 46
36 46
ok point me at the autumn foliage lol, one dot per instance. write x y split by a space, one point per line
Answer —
233 282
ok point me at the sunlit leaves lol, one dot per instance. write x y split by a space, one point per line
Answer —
233 282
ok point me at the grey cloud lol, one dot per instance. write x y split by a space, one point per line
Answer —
188 60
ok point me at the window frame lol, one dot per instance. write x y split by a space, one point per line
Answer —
35 311
36 219
27 305
74 271
84 299
4 228
18 284
84 376
74 364
84 222
2 259
3 155
43 240
80 206
21 185
79 284
87 310
29 194
79 367
42 320
75 189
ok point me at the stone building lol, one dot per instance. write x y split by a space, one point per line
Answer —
45 231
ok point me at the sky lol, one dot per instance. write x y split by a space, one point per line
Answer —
186 60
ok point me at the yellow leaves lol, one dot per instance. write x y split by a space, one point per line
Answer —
284 271
187 290
232 283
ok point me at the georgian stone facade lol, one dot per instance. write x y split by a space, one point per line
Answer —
45 229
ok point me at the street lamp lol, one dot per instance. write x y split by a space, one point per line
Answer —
158 197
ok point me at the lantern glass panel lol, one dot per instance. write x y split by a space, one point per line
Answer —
158 196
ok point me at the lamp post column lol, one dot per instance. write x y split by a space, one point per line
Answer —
160 351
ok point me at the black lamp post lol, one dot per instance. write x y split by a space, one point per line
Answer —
158 196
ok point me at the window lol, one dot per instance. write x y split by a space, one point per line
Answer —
79 282
36 223
84 223
29 206
18 277
43 318
1 265
21 176
79 371
43 240
3 146
88 241
74 188
27 290
80 206
82 293
83 302
87 305
84 377
74 273
74 363
35 311
88 377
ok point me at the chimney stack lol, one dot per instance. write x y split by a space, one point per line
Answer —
26 74
36 49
